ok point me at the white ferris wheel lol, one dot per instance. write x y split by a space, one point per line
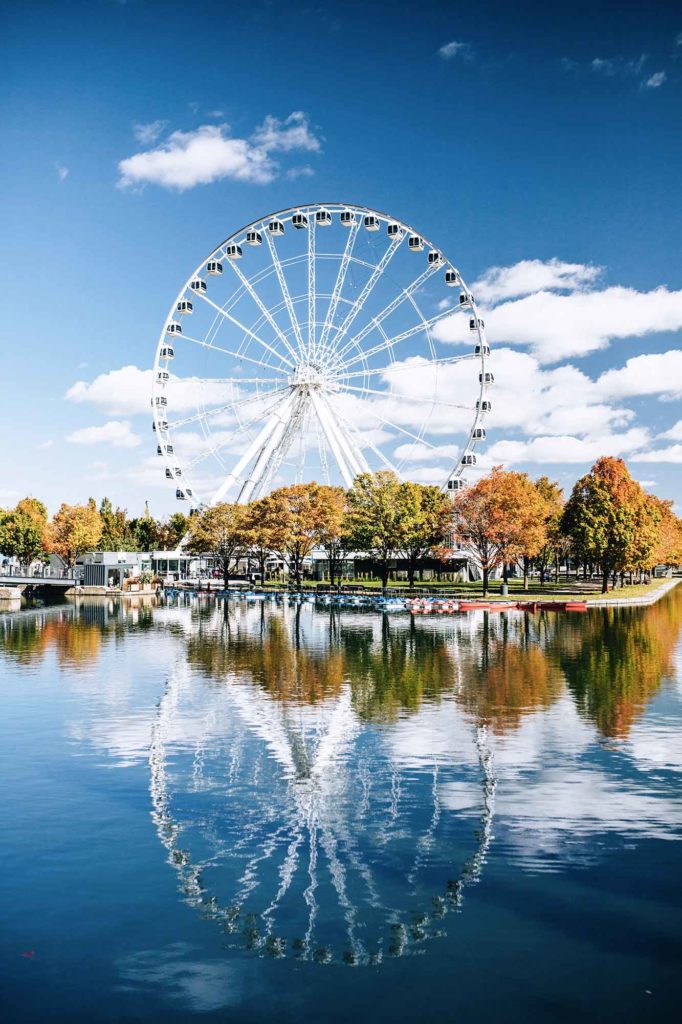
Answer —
310 345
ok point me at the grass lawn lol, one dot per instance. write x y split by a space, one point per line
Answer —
585 590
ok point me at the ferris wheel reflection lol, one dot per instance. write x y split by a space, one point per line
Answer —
293 817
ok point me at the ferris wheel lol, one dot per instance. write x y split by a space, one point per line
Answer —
318 343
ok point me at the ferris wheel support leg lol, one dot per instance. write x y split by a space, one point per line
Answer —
231 479
281 417
330 433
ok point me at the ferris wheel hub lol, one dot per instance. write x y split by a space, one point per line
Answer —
309 375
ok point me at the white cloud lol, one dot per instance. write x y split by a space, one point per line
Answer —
657 374
300 172
126 391
671 454
148 133
210 153
568 449
46 444
453 49
294 132
62 172
675 432
656 80
116 433
619 67
532 276
558 326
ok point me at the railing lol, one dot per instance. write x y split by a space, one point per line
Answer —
15 572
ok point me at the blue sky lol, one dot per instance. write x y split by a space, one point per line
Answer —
541 141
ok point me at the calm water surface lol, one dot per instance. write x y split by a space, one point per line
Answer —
255 813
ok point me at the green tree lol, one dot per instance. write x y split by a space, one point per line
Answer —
219 531
117 532
373 520
23 531
425 519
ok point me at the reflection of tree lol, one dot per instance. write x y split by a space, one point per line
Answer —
399 671
75 633
616 659
273 656
510 671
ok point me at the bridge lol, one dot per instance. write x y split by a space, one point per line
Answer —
37 580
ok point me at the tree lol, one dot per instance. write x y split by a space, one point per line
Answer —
552 497
500 518
425 518
170 533
258 532
23 530
668 550
332 528
610 520
145 530
117 532
373 518
74 530
295 519
219 531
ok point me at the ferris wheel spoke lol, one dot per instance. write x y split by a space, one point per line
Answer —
390 308
393 394
331 433
311 286
359 303
339 283
403 430
286 295
223 380
216 410
241 356
247 330
425 325
241 427
401 368
363 442
264 309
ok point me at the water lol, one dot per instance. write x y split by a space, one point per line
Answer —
255 812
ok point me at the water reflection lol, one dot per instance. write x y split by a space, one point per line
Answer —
324 782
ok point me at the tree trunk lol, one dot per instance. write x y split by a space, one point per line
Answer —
384 573
226 573
330 555
505 572
410 573
605 580
486 576
526 565
542 574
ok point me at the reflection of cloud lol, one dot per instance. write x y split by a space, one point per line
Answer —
201 986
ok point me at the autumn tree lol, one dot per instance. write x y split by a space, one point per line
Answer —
610 520
333 537
296 517
23 530
219 531
500 519
145 530
552 498
259 532
425 518
373 517
668 550
74 530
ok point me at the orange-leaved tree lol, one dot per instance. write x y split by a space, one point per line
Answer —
295 518
501 519
74 530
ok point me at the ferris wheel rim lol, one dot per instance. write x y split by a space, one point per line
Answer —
161 425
